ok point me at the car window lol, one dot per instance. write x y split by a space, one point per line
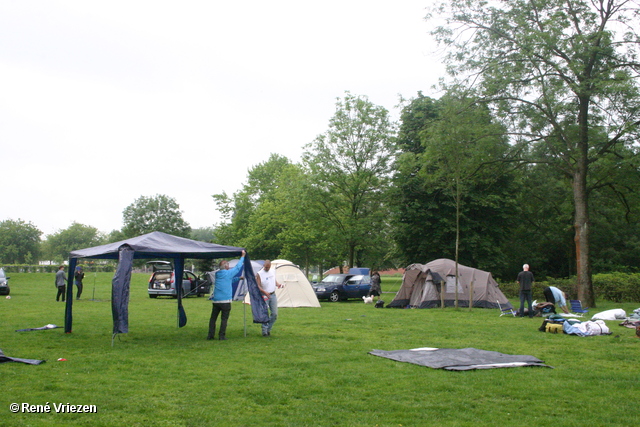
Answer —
332 278
355 279
189 276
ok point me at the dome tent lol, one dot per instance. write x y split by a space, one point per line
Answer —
422 286
297 290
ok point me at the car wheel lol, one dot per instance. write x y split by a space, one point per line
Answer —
334 297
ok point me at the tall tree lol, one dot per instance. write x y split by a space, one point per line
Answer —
19 241
561 75
244 223
77 236
450 180
156 213
349 168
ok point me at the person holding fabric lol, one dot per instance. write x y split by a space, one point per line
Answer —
61 283
525 279
222 296
556 296
266 279
79 277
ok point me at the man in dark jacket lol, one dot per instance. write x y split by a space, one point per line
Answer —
61 282
525 279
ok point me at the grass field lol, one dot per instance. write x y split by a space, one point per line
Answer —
314 371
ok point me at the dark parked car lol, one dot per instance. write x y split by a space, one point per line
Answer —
337 287
4 283
162 283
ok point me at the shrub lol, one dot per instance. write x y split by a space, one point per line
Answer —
615 287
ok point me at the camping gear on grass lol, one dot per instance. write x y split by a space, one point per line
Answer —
614 314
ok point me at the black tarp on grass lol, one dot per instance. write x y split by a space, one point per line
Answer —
462 359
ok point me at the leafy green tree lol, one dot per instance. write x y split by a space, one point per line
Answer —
203 234
240 225
349 169
562 75
464 145
77 236
19 241
156 213
115 236
450 181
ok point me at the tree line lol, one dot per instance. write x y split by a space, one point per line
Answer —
530 155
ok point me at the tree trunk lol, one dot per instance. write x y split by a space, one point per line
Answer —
581 224
581 209
352 254
457 235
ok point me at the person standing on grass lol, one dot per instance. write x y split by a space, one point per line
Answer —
376 289
525 279
61 283
222 296
79 277
267 284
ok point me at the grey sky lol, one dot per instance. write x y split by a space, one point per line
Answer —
103 102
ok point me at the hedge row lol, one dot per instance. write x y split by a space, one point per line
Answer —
615 287
26 268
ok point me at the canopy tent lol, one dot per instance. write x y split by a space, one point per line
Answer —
427 285
297 290
152 245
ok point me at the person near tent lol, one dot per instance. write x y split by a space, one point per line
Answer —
556 296
61 283
375 290
525 279
79 277
266 279
222 296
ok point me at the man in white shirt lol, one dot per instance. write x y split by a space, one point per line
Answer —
267 283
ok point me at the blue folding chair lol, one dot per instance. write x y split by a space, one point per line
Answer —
576 306
504 311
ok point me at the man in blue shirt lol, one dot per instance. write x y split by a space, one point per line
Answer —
222 296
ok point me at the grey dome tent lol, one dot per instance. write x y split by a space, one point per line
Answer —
423 286
152 245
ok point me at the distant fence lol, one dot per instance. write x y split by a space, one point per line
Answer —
28 268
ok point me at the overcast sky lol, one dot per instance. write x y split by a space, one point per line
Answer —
104 102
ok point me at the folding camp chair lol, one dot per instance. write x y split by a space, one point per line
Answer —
504 311
576 306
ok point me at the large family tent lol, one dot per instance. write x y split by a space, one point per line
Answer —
297 290
152 245
423 284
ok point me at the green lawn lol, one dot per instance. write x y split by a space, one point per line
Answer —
314 371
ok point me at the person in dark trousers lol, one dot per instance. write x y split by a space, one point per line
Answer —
61 283
376 289
79 277
222 296
525 279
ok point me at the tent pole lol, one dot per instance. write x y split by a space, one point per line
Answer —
244 310
68 309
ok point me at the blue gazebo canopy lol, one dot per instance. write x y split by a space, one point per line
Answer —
151 245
